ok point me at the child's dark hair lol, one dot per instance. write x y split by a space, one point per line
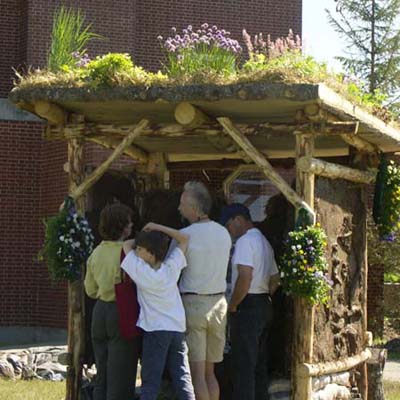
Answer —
154 242
113 220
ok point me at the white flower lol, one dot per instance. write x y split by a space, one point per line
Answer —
282 274
61 238
294 269
72 230
77 244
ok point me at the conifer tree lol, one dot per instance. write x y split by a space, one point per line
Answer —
371 29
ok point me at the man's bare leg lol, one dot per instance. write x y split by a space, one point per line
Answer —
212 383
198 371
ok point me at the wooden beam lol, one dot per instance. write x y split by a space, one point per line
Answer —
332 367
335 171
101 169
265 166
303 311
345 109
76 306
53 113
133 152
188 115
360 144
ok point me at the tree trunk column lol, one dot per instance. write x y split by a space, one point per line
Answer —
303 311
76 312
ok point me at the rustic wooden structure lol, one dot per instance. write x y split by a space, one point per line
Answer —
250 123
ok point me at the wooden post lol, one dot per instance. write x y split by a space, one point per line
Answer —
360 160
303 330
265 166
157 166
81 189
335 171
76 312
188 115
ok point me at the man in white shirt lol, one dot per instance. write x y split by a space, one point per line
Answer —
255 277
202 286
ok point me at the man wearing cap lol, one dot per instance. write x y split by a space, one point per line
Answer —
255 277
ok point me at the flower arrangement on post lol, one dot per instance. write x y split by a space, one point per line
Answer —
303 267
205 50
68 243
386 210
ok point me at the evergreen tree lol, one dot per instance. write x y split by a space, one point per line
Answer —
371 29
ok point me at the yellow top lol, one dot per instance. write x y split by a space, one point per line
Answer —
103 271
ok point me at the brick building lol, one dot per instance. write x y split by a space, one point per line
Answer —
32 179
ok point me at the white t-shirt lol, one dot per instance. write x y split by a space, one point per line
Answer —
253 249
161 307
207 258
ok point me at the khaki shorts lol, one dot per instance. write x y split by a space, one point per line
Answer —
206 323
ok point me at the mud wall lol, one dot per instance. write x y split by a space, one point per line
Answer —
339 327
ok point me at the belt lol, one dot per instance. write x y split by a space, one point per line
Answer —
202 294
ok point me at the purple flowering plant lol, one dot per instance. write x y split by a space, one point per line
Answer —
68 243
208 49
303 266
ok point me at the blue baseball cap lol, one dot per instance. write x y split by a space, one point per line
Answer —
233 210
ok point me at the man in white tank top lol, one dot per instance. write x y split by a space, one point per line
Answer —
202 286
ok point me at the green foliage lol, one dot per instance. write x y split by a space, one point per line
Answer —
361 96
383 252
103 69
303 266
295 63
386 210
68 243
69 38
372 31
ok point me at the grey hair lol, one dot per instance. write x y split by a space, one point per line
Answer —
200 194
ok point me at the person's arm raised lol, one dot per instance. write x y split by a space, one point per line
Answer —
128 245
181 238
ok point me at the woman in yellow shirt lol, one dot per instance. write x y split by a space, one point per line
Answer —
116 357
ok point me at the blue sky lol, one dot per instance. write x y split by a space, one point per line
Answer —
319 38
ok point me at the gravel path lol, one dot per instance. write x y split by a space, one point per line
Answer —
391 371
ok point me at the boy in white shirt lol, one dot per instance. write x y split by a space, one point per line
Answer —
162 316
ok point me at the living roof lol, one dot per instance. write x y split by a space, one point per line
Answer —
268 113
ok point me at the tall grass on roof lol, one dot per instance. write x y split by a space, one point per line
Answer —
69 38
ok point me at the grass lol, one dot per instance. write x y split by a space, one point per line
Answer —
31 390
392 390
40 390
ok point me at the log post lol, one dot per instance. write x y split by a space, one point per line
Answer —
265 166
189 116
53 113
157 166
303 311
76 311
360 160
335 171
80 190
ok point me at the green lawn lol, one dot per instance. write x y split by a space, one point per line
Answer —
42 390
31 390
392 390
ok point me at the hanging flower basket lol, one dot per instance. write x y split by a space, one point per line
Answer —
386 210
303 267
68 243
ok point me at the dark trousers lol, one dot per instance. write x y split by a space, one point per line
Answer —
165 349
116 358
249 328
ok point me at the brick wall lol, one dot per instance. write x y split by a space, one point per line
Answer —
133 26
19 221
